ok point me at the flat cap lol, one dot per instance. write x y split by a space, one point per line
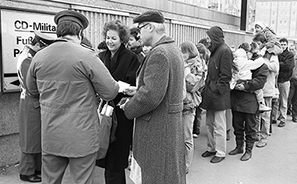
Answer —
73 16
44 38
150 16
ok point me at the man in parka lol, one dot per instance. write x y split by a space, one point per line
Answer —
216 94
67 76
29 113
158 144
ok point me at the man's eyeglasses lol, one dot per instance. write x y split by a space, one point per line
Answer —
140 27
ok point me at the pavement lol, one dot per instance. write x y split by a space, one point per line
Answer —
276 163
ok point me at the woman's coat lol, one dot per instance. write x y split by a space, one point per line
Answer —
123 67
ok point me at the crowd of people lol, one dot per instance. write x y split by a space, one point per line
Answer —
63 79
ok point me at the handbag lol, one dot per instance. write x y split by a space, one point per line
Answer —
107 127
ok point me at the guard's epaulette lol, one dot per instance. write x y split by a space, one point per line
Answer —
88 47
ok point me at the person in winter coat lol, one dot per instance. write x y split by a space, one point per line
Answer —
67 76
158 144
122 64
286 66
216 94
204 56
29 113
245 110
134 44
243 74
194 80
269 89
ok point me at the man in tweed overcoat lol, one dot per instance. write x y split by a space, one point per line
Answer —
158 144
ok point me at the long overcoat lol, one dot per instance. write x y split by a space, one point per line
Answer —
123 67
216 93
158 144
29 117
67 77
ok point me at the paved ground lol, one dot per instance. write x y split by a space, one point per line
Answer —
274 164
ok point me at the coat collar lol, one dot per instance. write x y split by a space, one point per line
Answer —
163 40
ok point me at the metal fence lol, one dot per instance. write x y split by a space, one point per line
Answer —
180 31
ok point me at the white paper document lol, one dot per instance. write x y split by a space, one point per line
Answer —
123 86
135 173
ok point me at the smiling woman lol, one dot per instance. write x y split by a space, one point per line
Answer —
122 64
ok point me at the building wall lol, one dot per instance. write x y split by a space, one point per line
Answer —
280 15
183 22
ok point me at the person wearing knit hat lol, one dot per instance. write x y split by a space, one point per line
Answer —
69 78
272 45
259 27
29 113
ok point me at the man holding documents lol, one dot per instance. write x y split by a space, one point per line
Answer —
158 144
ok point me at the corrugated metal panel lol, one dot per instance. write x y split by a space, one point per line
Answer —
178 31
234 39
183 33
96 24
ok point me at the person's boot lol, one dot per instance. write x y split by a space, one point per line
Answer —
246 156
237 150
248 152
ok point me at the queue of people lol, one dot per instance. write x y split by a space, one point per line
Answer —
168 88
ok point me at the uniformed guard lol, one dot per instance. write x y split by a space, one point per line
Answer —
67 76
29 113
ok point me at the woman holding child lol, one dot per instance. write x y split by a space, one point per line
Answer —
244 105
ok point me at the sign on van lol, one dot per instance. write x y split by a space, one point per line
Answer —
17 30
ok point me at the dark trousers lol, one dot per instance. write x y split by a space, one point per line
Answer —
245 127
197 121
29 163
292 100
115 176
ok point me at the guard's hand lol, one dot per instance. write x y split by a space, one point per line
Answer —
131 90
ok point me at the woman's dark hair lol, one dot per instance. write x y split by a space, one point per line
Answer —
119 27
203 50
135 33
245 46
190 48
254 46
102 45
259 37
67 27
204 42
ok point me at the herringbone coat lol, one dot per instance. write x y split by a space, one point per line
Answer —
158 144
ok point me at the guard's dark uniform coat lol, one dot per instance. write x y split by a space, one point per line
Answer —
29 109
